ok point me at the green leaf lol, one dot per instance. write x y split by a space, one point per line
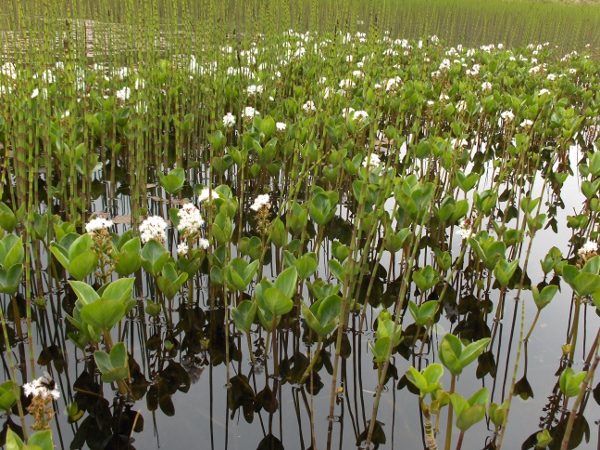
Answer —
472 351
416 378
545 296
244 315
306 266
41 439
154 257
8 221
433 373
504 271
173 182
380 349
85 293
277 302
278 234
83 265
103 313
449 352
323 316
11 279
114 366
127 262
80 246
426 278
7 396
570 382
586 284
13 441
14 252
286 282
337 270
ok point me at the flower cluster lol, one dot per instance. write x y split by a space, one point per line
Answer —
465 229
249 113
98 224
153 227
43 387
228 120
42 392
260 202
372 162
190 220
207 194
588 250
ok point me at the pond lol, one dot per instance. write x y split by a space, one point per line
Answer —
337 241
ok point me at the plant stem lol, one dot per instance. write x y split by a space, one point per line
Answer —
450 413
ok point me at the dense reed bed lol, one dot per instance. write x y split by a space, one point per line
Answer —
362 221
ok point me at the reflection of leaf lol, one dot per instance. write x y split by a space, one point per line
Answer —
270 442
378 437
523 388
596 393
164 399
267 400
581 429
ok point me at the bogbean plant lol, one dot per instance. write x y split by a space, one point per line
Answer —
330 155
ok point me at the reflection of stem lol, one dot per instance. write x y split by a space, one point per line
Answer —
450 413
574 331
514 378
13 374
250 348
308 370
579 399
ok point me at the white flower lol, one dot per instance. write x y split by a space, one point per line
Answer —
43 387
123 94
486 86
260 201
153 228
48 76
346 84
190 219
349 58
203 243
99 223
280 126
526 123
182 249
372 162
309 106
360 115
347 111
35 93
253 90
392 83
207 193
588 248
250 112
461 105
551 77
543 91
9 70
507 115
228 120
465 230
